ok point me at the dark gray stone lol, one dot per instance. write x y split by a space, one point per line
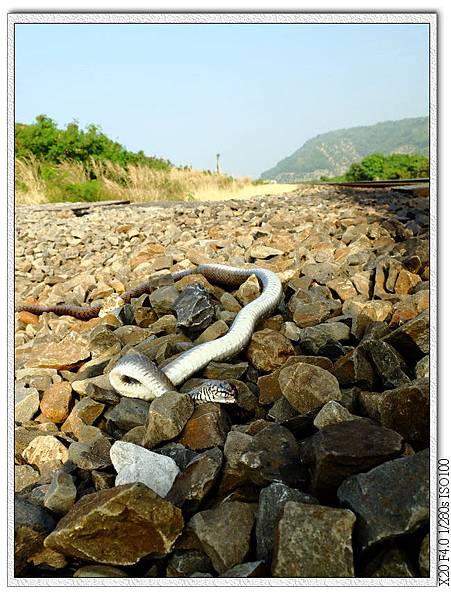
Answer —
249 569
192 486
388 364
389 562
270 508
272 455
129 413
390 500
184 563
347 448
194 308
181 455
31 525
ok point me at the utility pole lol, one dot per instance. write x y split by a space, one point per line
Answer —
217 163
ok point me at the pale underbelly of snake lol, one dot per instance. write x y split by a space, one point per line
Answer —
134 375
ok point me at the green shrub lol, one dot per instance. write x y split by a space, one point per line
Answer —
47 143
394 166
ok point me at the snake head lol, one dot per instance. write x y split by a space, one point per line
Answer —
215 390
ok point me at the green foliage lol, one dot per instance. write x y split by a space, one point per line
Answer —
394 166
44 141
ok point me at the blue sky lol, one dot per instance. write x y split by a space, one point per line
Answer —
254 93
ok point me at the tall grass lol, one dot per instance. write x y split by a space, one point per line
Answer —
38 182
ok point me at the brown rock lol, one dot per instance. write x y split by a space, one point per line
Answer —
224 533
314 541
85 409
206 428
27 318
343 287
406 410
248 291
45 449
354 369
268 350
117 526
166 418
213 332
56 401
196 480
412 338
307 387
59 355
406 282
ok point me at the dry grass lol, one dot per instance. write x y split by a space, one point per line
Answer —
30 188
138 183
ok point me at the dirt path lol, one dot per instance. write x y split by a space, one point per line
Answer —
246 192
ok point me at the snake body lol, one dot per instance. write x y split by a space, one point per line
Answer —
134 375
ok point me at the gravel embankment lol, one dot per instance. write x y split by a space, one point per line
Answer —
319 470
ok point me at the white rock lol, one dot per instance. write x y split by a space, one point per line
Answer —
45 448
134 463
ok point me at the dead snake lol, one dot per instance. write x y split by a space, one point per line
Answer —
134 375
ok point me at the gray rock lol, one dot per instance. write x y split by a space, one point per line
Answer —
129 413
313 541
390 500
163 299
282 410
270 508
332 413
423 559
91 455
61 494
422 367
215 370
136 464
249 569
181 455
26 403
272 455
24 475
194 308
311 339
185 563
391 562
31 525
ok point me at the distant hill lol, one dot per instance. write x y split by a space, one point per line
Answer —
331 154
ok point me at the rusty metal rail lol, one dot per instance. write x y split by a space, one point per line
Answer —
380 184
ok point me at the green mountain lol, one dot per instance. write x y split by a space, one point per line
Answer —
331 154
